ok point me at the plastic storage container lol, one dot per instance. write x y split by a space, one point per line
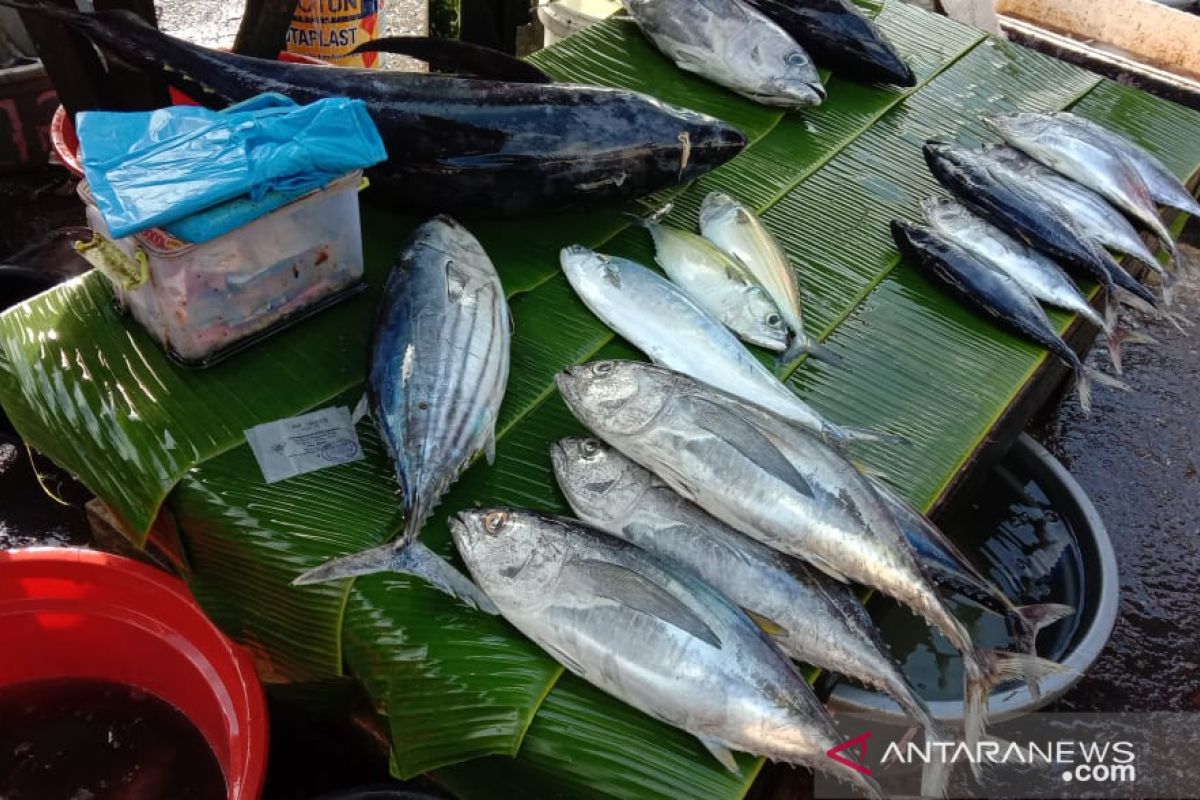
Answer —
205 301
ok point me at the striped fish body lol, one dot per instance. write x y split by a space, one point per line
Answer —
439 362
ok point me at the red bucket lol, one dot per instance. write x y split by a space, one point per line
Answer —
68 613
66 143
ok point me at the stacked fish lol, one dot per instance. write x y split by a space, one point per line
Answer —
719 523
760 48
1060 194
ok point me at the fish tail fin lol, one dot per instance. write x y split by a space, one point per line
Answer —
936 773
417 559
654 218
1120 337
802 345
413 558
823 353
1084 378
1114 339
984 670
366 562
1025 622
847 433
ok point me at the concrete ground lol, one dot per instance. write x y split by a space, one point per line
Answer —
1138 457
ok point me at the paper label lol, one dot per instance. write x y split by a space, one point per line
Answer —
296 445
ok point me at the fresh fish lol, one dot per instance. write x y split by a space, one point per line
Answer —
651 635
779 485
733 45
952 570
839 37
737 230
812 618
439 367
1163 185
1086 159
1035 273
1092 215
1018 208
995 294
658 318
721 285
454 144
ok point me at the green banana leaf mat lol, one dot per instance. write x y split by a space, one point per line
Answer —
465 695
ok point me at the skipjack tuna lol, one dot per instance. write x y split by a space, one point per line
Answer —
455 144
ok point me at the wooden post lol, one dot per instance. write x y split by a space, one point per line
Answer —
131 88
263 32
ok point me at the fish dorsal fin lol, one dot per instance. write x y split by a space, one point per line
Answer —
461 282
747 440
631 590
766 624
612 273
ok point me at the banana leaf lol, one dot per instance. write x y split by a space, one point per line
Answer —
465 695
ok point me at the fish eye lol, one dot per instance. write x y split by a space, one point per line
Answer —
796 59
494 522
774 320
603 368
589 448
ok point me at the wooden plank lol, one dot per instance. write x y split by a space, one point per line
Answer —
1151 32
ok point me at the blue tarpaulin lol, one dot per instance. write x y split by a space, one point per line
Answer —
151 168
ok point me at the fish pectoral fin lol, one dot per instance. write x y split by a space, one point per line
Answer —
720 752
567 661
827 568
489 447
747 440
768 625
418 560
637 592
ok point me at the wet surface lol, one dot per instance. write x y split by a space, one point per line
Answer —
1137 457
46 512
94 740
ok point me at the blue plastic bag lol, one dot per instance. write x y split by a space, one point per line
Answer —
151 168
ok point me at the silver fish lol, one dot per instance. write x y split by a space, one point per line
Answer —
658 318
649 634
731 44
1036 273
721 285
438 370
1092 215
776 484
1085 159
1164 186
737 230
810 617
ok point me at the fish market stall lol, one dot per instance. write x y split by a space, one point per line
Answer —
465 696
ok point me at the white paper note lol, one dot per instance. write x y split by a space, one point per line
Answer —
296 445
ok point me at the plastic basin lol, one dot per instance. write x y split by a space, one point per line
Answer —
1091 585
70 613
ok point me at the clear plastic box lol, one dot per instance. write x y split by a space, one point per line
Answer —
206 301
